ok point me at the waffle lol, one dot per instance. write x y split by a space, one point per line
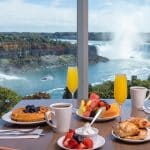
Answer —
20 115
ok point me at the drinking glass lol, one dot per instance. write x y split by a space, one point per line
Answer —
120 90
72 79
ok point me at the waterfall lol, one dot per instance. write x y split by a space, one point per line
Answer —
125 41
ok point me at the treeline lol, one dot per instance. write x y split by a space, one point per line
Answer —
45 37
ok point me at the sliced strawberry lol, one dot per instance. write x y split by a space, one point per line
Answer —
66 143
102 104
69 135
73 144
71 131
87 113
88 143
94 96
81 146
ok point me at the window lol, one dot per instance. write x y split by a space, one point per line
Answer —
37 43
118 39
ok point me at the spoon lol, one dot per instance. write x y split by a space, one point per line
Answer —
97 114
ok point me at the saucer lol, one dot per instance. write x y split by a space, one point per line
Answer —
97 144
146 110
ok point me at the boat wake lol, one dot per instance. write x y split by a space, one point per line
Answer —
48 77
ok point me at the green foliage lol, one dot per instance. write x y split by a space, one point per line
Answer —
8 99
105 90
38 95
68 95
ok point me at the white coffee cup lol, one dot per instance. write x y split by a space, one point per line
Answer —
60 116
138 96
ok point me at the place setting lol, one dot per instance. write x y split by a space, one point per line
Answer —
30 117
135 129
86 137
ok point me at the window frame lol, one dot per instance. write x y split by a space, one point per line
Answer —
82 47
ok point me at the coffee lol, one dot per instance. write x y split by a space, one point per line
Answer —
61 106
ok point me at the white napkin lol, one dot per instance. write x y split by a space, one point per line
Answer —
18 135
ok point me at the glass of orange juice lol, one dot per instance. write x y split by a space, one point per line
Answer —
72 79
120 90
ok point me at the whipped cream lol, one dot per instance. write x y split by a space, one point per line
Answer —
86 130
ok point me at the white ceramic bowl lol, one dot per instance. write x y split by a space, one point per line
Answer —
93 136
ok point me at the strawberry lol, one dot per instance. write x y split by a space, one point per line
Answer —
81 146
73 144
102 104
66 142
88 143
94 96
69 134
87 113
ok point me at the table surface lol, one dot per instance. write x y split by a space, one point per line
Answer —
48 141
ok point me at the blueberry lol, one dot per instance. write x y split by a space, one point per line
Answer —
93 113
37 109
78 138
25 111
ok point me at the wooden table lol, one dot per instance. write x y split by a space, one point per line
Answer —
48 142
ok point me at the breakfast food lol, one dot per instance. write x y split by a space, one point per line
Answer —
88 108
132 128
30 113
74 141
112 111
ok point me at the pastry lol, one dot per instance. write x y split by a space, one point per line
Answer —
132 128
30 113
125 129
141 136
140 122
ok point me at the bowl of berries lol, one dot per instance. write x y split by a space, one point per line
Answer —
75 141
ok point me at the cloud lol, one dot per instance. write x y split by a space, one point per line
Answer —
112 17
58 15
16 15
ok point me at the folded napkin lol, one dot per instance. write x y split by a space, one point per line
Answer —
6 148
18 135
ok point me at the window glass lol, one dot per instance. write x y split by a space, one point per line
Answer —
119 39
37 43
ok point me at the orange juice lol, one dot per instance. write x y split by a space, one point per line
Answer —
72 79
120 88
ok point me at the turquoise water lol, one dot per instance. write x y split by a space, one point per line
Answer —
53 80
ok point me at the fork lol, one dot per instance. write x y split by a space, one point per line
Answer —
18 130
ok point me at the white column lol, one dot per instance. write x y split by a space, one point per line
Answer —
82 41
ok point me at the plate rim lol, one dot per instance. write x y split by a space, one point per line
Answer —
18 122
59 143
129 140
98 119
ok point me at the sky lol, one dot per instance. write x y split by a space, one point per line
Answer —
61 15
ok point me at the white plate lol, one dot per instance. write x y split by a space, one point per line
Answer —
133 141
98 119
97 144
7 117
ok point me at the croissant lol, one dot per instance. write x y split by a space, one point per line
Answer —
140 122
126 128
